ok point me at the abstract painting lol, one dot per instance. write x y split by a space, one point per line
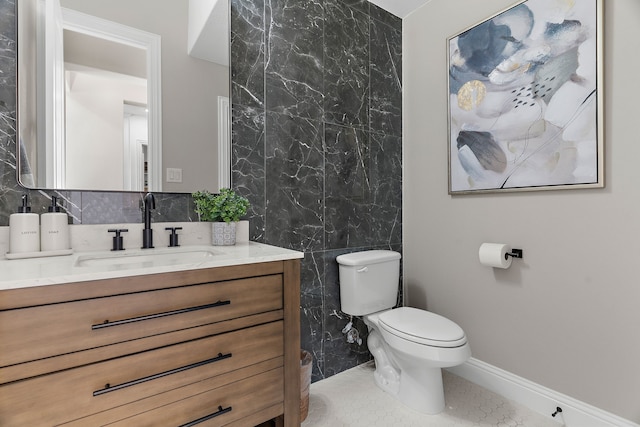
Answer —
525 99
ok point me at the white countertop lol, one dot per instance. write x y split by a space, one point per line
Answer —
21 273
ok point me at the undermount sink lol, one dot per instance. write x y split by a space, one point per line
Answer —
146 257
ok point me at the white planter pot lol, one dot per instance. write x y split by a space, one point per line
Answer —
242 231
223 234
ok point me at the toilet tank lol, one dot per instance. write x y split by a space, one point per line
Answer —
368 281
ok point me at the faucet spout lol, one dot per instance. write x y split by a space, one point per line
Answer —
149 203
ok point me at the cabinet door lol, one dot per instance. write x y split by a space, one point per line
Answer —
80 392
217 407
39 332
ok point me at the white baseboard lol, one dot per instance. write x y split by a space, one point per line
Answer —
538 398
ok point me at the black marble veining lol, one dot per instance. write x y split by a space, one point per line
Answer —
346 73
247 163
386 79
317 146
295 177
294 61
7 110
348 195
247 51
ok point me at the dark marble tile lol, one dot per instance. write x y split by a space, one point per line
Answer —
247 52
311 279
386 189
348 223
10 191
387 18
347 163
361 5
346 72
386 79
247 164
311 338
311 310
348 187
7 55
174 207
341 355
362 171
294 57
295 177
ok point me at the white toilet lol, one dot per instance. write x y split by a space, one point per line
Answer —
409 345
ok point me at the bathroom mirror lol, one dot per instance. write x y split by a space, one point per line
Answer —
123 95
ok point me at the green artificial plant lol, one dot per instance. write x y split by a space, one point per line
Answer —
225 206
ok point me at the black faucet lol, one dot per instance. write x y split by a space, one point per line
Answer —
149 203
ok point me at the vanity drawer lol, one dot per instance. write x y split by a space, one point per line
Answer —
217 407
44 331
83 391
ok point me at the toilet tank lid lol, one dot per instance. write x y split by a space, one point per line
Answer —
367 257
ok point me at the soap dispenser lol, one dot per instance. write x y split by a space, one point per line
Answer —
54 228
24 229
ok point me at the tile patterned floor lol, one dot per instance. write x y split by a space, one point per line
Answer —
351 399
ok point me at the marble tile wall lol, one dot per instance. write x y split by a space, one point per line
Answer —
317 147
84 207
317 131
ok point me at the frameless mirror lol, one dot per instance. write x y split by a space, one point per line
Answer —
123 95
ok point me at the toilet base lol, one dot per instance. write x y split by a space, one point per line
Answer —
422 390
416 385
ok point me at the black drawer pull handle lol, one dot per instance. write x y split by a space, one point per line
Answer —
108 388
108 324
208 417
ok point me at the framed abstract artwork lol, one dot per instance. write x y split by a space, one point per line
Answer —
526 99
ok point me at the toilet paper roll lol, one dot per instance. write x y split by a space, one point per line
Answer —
494 255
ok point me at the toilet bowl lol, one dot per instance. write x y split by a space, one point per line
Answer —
410 346
416 345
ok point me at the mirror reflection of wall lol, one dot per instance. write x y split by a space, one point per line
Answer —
100 88
135 168
100 78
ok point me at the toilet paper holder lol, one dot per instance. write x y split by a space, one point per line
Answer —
497 255
515 253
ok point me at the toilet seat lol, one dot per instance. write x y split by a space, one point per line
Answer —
422 327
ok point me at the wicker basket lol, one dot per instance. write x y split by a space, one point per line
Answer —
305 382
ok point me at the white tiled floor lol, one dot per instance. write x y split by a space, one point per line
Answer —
352 399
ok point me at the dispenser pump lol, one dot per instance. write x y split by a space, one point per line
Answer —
54 205
25 208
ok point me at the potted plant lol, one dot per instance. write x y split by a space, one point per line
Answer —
223 210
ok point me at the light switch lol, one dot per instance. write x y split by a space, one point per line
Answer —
174 175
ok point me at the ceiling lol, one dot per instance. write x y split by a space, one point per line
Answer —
401 8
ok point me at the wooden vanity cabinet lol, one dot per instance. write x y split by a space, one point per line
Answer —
207 347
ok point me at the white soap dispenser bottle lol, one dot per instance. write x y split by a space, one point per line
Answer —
54 228
24 230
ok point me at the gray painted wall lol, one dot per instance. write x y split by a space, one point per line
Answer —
566 316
